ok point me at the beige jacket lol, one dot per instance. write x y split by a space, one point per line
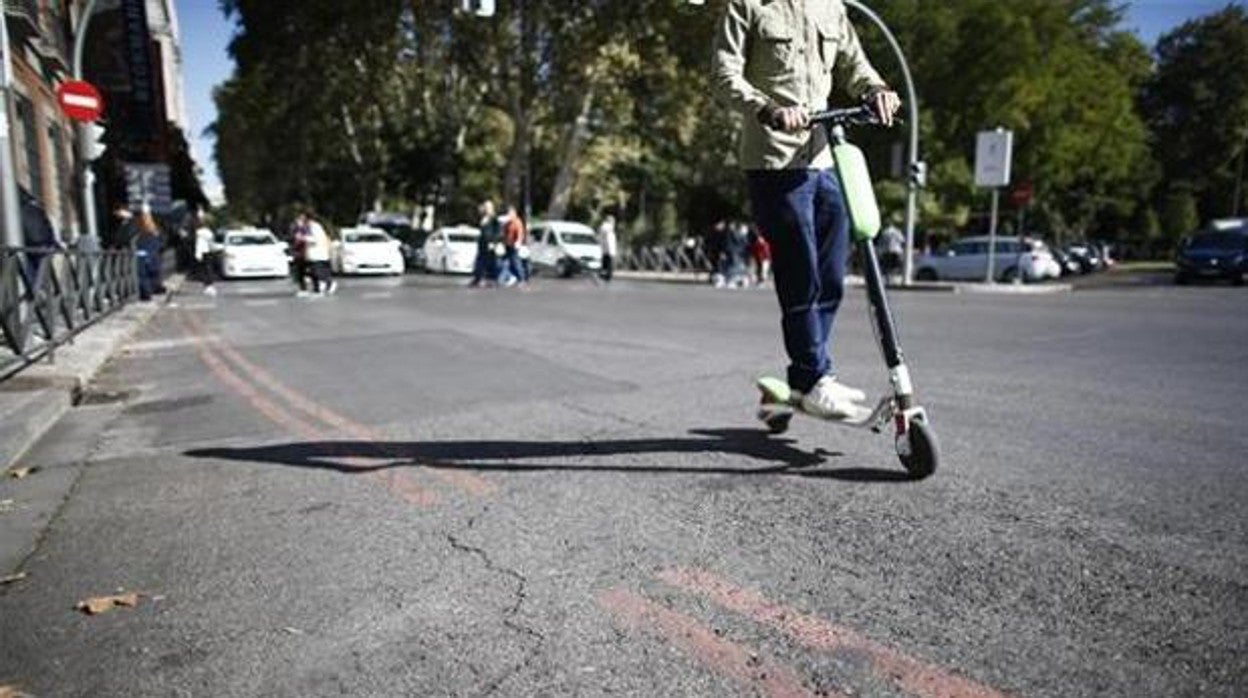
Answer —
787 53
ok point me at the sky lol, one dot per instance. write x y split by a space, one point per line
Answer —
206 63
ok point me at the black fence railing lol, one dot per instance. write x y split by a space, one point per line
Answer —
48 295
658 258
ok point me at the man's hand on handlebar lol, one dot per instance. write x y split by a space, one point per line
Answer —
885 104
789 119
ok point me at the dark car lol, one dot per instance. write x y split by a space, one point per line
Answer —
411 243
1220 255
1086 256
1066 262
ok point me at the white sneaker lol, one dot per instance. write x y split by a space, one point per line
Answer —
333 288
832 400
210 290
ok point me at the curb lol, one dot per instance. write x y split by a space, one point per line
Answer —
32 401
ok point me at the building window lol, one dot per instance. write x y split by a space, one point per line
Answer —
30 147
62 178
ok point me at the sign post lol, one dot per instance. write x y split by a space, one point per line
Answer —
994 152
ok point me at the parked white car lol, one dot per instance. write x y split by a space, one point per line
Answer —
564 247
366 251
252 253
967 260
451 250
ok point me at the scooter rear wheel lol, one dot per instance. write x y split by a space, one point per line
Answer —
924 453
778 423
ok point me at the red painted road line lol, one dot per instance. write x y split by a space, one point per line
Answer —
690 636
914 676
466 481
253 397
399 482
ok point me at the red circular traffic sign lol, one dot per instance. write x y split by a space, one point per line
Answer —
80 100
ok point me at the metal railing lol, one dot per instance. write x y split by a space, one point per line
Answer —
48 295
671 259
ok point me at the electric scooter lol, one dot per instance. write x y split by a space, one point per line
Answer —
915 441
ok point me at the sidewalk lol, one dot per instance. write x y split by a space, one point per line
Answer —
32 404
34 399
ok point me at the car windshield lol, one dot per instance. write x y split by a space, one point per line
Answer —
247 239
574 238
1217 241
365 237
461 237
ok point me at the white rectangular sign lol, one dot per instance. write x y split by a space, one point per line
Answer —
994 152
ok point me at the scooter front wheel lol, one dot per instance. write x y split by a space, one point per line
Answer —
924 453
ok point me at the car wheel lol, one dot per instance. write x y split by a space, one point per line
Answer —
446 269
926 274
562 269
1009 275
1181 279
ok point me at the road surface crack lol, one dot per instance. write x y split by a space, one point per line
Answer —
520 595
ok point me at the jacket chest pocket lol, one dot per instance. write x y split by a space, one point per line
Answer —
775 46
827 27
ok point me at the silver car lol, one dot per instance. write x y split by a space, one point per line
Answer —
967 260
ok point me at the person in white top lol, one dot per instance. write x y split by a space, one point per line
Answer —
610 246
204 259
318 257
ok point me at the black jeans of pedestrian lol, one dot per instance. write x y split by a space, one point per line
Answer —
321 276
206 270
802 214
299 269
608 267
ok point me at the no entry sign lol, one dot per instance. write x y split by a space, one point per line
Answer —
80 100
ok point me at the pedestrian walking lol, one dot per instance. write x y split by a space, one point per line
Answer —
774 62
736 251
299 268
760 253
317 254
147 251
515 236
891 244
38 236
610 243
205 258
485 266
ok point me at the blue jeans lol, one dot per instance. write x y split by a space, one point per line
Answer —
512 266
802 214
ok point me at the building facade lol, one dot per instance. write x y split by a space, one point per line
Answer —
133 55
43 137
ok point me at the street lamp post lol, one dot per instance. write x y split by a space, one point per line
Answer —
85 146
915 170
9 203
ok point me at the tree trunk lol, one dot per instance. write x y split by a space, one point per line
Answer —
574 143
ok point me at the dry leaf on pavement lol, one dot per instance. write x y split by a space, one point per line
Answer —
99 604
9 580
12 692
19 473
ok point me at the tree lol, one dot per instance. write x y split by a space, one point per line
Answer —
1197 107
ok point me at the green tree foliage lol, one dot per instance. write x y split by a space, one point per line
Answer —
1198 108
596 105
1059 73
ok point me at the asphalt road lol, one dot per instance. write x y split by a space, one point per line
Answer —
412 488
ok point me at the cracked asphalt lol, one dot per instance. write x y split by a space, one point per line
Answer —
412 488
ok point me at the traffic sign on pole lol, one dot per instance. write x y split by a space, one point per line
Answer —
80 100
994 152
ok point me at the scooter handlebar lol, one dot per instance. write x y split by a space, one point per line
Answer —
851 116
